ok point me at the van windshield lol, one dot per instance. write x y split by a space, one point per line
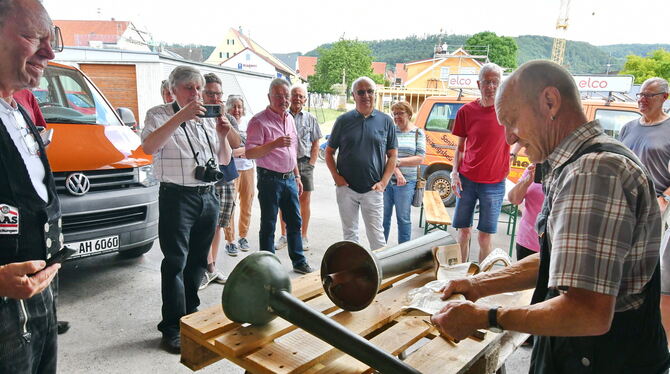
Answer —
65 96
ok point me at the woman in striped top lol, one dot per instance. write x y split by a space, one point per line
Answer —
400 190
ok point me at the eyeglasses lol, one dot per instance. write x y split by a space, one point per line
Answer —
648 95
28 139
369 91
398 114
214 94
494 83
57 40
278 96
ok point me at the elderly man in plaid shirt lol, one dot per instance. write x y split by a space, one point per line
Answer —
596 302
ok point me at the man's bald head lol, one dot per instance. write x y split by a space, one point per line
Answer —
9 9
533 77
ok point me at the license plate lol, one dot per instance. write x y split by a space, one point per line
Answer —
95 246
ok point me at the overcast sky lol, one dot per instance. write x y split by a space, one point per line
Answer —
302 25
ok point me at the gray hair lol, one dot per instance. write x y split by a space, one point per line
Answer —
662 83
165 86
7 8
278 82
184 73
299 86
212 78
490 67
230 101
362 79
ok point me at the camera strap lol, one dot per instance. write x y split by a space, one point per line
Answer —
176 108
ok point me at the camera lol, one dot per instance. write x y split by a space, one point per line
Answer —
209 172
211 111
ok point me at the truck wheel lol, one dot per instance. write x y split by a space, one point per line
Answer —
137 251
441 182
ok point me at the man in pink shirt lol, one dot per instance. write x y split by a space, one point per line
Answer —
272 141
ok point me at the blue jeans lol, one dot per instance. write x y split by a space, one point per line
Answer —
275 193
401 197
490 196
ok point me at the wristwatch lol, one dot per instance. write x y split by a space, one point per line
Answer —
493 320
397 162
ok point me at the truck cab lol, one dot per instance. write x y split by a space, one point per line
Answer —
104 180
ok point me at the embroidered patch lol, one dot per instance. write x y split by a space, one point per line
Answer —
9 220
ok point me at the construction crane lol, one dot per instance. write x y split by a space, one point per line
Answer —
558 49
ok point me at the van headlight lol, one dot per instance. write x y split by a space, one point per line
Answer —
146 175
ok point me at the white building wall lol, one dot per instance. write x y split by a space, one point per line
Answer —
249 61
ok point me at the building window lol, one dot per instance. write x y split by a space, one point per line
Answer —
227 54
220 54
444 74
248 56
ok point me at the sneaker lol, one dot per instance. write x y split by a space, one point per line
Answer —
206 280
244 244
62 327
303 269
231 249
218 277
305 244
281 242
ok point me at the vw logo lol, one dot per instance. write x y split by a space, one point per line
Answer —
77 184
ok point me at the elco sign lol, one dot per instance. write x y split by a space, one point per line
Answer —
604 83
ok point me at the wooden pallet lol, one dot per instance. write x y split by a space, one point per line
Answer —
280 347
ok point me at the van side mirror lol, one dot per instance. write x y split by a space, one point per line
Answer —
127 117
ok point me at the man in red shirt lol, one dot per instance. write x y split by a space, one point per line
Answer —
481 164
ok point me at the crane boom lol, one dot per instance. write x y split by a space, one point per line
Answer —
558 48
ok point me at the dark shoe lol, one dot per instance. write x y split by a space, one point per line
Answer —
303 269
171 344
62 327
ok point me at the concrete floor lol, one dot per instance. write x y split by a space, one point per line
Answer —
113 304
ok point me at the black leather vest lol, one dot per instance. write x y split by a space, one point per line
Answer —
39 223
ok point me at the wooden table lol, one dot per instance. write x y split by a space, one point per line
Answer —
280 347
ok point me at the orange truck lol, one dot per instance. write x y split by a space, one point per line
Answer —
104 179
437 114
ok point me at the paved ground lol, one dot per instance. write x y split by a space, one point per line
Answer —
113 304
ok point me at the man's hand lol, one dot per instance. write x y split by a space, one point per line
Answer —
465 286
340 181
223 126
17 282
400 180
190 111
460 319
456 185
282 141
298 182
662 203
379 186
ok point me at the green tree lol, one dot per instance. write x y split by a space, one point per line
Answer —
349 58
643 68
502 49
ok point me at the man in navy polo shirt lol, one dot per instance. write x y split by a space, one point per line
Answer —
367 144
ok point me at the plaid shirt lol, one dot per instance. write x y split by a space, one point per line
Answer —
604 224
174 162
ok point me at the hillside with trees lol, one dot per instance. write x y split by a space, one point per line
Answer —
580 57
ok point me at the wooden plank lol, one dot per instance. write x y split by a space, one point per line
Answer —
300 350
211 322
434 209
248 338
440 356
196 356
396 339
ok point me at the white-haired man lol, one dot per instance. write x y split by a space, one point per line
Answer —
481 164
597 284
30 223
649 138
368 151
309 133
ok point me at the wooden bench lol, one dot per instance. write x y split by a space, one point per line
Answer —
280 347
435 213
